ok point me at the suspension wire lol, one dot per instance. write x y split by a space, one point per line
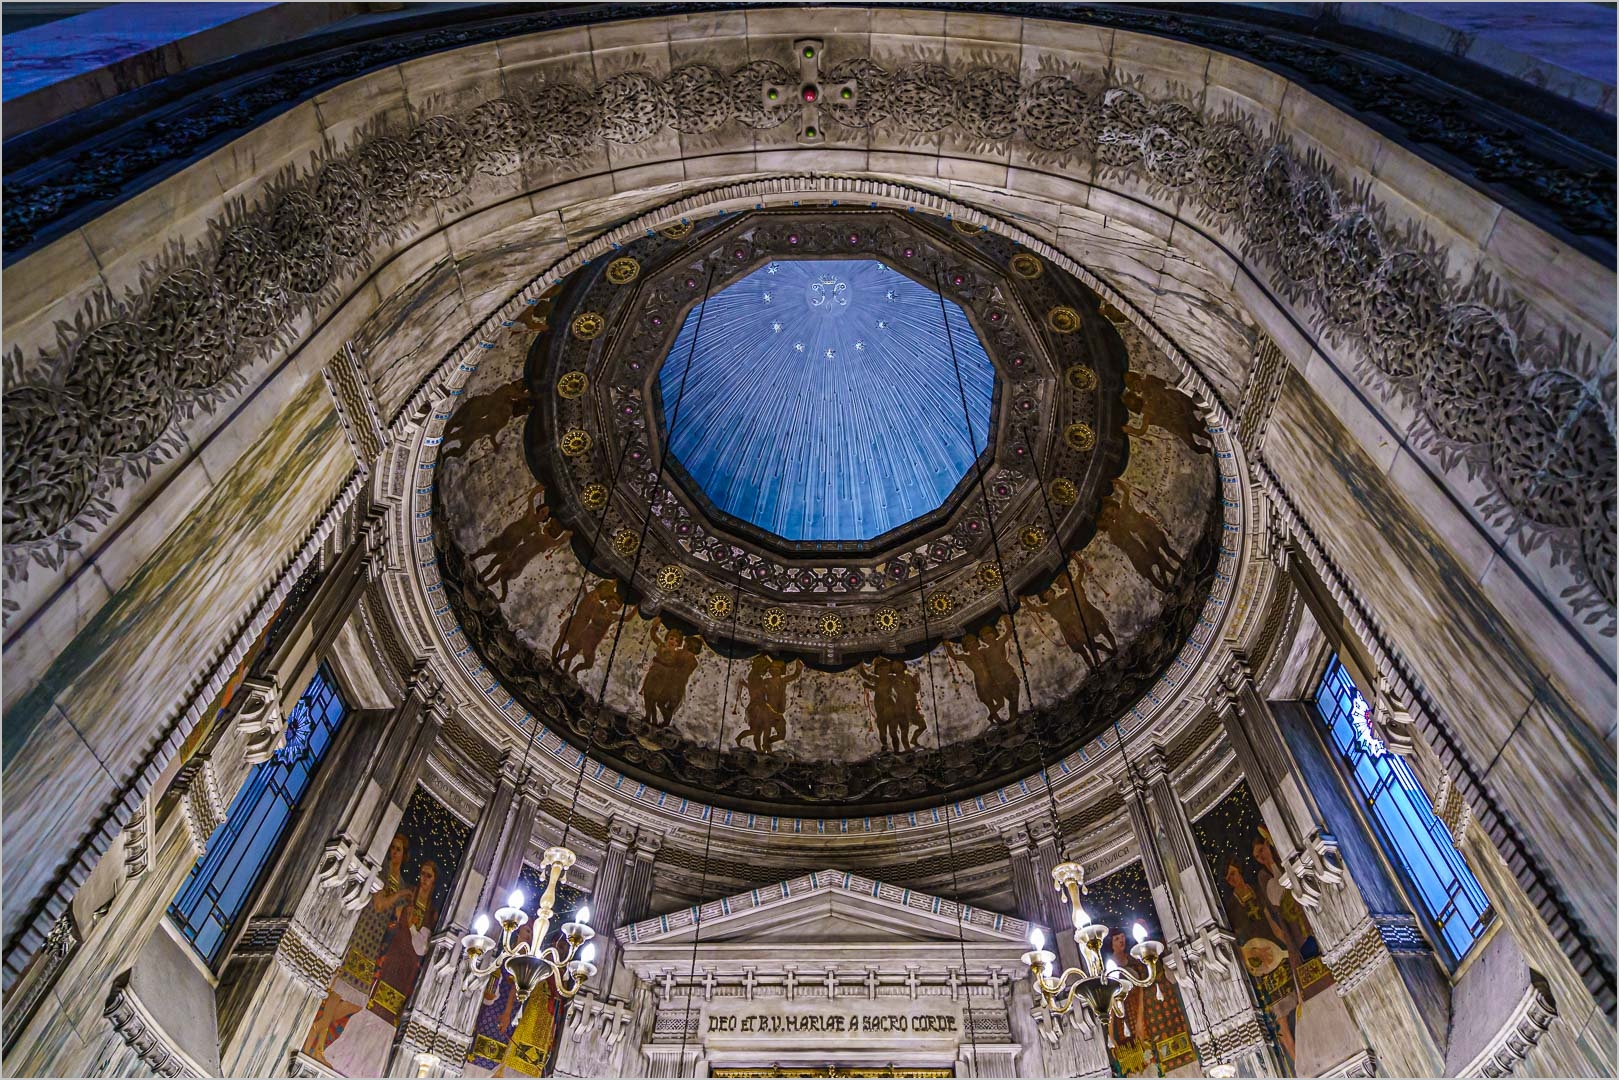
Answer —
708 835
640 548
1000 566
949 837
1118 730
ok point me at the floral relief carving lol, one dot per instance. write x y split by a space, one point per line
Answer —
1531 416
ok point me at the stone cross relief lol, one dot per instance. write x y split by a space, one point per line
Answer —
911 980
871 983
749 981
811 90
708 984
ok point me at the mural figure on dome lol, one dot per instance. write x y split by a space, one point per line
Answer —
1166 408
354 1029
1140 535
1312 1030
896 702
767 682
534 533
673 662
582 633
485 417
1152 1038
985 655
1083 626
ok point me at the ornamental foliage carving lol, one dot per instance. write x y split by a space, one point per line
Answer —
1526 413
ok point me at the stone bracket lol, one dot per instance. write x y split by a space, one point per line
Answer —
344 866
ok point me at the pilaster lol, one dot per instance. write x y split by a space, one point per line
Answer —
282 964
1358 945
442 1016
1221 1013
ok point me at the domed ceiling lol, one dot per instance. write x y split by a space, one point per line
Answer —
960 530
826 399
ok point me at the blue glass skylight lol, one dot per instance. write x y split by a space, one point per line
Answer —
821 402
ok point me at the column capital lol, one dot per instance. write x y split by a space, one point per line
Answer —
1016 838
648 844
620 834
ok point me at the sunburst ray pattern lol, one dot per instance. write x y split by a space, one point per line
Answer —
822 402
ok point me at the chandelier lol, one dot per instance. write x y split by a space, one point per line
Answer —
1100 986
532 962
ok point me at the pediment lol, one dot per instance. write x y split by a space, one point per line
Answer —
830 907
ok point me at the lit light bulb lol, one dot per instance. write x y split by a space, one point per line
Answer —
515 899
588 953
583 915
1138 932
1036 938
480 925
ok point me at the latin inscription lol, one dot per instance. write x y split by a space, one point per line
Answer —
833 1024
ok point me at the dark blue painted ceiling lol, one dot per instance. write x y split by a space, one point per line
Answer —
821 401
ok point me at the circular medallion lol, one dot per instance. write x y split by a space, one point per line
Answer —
719 605
831 625
1079 377
624 270
575 441
677 230
989 575
1062 320
572 384
940 604
887 620
589 326
1032 537
775 620
1027 266
1063 492
594 496
1079 436
670 577
625 541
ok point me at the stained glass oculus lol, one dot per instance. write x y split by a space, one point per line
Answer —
821 402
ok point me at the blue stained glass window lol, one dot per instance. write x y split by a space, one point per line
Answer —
219 885
1414 838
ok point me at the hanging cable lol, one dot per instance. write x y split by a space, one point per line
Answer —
949 836
640 549
1118 731
1000 567
708 834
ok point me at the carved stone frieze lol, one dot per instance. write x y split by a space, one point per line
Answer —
1489 396
200 801
298 951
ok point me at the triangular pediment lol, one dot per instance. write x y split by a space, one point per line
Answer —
830 907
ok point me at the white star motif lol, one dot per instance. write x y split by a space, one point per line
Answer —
860 346
768 297
773 268
892 294
798 346
775 328
882 324
831 354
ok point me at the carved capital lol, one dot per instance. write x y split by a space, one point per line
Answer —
648 844
345 867
260 722
1016 839
203 809
1306 871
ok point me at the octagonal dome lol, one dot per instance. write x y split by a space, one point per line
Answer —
826 399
